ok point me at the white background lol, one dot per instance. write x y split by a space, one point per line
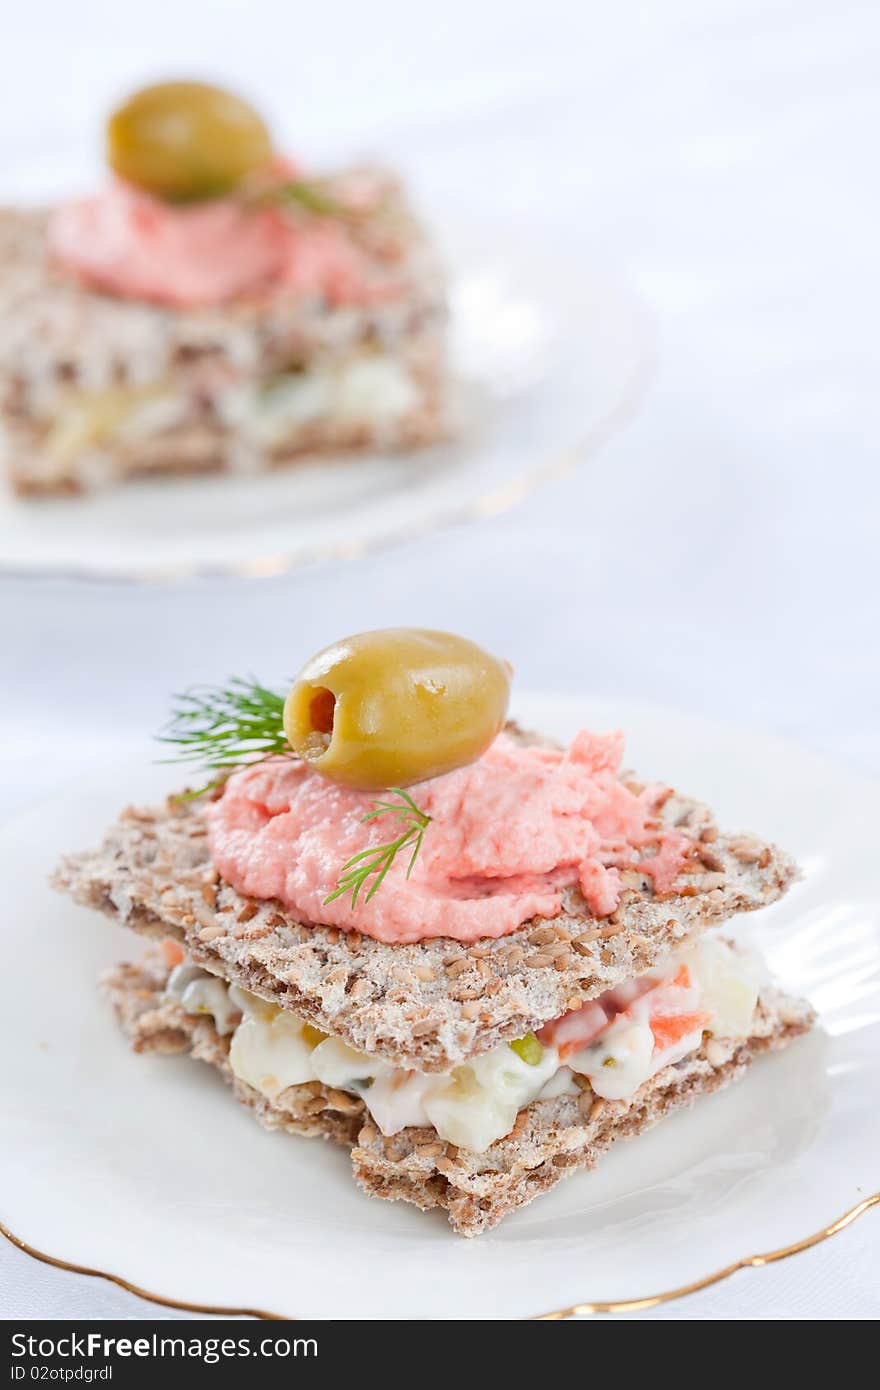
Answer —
720 555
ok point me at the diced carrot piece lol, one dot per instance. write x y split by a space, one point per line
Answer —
172 951
669 1029
682 978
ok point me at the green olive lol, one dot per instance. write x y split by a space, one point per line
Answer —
186 140
393 707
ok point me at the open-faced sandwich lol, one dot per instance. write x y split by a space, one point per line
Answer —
214 308
396 920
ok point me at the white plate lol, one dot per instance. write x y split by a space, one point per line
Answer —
549 360
146 1168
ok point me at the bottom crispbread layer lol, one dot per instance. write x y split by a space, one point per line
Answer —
550 1139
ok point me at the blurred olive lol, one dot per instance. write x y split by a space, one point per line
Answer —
186 140
396 706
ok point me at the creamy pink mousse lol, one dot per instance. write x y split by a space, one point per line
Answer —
128 243
507 834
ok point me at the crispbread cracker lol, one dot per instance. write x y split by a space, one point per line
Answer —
550 1139
437 1003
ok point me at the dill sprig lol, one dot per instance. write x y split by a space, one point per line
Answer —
305 193
378 859
309 196
220 727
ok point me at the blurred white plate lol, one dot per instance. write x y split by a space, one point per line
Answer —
549 360
146 1169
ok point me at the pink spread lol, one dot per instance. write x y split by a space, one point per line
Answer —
128 243
507 835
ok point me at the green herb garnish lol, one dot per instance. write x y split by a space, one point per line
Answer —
311 197
308 195
222 727
378 859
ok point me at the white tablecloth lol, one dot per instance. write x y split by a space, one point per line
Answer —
719 555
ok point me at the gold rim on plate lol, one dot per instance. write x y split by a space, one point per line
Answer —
628 1305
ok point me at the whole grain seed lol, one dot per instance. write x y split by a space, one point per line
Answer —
424 972
256 932
423 1027
583 944
542 936
342 1101
539 962
471 1009
557 948
211 933
428 1150
746 851
612 929
314 1107
247 912
458 966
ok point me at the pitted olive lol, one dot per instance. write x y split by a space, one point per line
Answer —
396 706
186 140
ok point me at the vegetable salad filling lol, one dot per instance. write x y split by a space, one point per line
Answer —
368 389
613 1044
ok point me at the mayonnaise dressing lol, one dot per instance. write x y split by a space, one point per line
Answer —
477 1104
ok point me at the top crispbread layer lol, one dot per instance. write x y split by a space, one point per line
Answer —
434 1004
57 333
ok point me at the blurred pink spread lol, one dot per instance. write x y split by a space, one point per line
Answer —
128 243
507 834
